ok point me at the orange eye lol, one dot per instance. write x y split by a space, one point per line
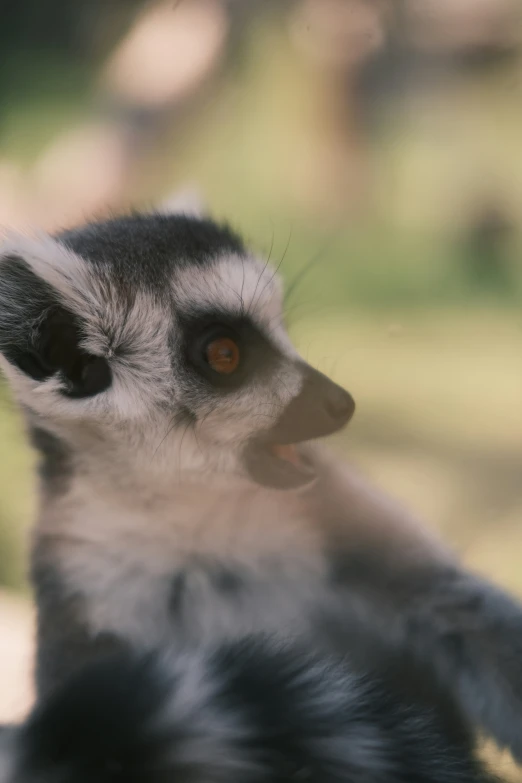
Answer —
222 355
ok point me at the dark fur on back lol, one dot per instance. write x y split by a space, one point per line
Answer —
251 712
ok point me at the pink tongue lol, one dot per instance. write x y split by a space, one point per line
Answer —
288 453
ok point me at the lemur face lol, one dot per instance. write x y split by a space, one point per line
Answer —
164 332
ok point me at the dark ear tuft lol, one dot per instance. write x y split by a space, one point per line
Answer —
41 337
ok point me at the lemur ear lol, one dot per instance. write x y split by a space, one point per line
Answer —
187 201
40 335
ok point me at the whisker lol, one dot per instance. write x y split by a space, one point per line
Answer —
170 427
188 426
301 274
285 386
277 317
236 293
269 282
262 271
242 288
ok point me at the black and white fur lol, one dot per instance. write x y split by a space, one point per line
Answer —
163 515
251 711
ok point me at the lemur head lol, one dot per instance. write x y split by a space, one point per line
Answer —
162 335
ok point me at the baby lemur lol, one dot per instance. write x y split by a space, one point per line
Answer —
183 496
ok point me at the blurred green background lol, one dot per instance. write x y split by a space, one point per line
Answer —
372 148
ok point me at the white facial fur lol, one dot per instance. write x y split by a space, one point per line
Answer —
137 335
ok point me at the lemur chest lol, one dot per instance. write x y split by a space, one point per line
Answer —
200 571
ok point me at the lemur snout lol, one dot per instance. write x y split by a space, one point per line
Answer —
321 408
339 405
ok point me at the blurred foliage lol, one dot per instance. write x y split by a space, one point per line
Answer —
81 31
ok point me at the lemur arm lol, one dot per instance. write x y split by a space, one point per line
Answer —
412 589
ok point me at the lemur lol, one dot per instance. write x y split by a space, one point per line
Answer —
183 494
254 710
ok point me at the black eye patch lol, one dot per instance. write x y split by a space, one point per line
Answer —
227 352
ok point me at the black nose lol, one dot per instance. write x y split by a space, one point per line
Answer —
339 405
321 408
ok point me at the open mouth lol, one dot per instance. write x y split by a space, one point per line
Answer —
278 457
280 466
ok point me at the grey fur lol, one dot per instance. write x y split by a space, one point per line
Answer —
56 464
254 711
63 642
150 526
